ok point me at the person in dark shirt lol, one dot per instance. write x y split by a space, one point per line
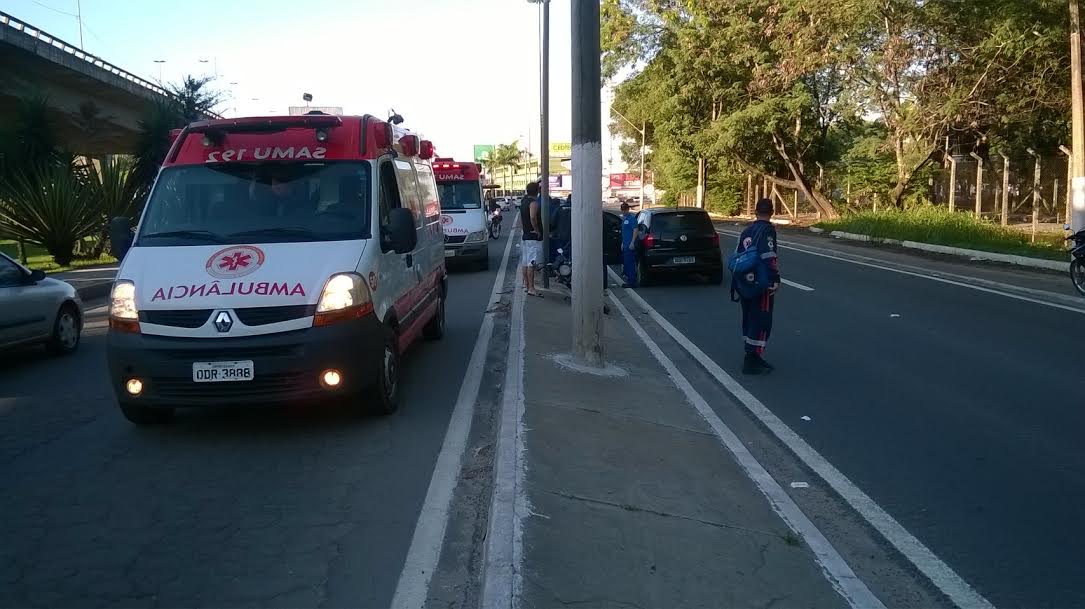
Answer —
757 311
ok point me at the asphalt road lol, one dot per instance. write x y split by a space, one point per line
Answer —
959 411
299 506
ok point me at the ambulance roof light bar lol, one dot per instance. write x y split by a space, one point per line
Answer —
272 123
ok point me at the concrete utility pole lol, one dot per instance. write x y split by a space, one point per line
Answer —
1077 221
587 184
544 134
979 183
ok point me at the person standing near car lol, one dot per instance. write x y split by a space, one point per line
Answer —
630 232
757 304
531 240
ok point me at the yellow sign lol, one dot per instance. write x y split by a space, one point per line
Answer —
561 149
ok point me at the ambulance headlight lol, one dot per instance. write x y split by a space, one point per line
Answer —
122 303
476 236
345 296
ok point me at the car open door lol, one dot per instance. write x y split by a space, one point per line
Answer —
612 238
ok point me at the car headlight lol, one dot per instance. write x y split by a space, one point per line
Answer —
476 236
345 296
122 303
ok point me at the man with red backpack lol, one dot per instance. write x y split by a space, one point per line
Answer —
755 277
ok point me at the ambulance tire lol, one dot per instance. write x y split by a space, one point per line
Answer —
383 395
146 415
435 328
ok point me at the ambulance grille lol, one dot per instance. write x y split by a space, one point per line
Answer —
455 238
178 318
261 316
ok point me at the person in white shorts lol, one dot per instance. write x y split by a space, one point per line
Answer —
531 241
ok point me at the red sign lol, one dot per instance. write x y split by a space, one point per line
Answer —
624 180
234 261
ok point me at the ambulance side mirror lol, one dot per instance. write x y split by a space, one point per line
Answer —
401 233
120 236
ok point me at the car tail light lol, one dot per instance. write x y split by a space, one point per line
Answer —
649 242
715 238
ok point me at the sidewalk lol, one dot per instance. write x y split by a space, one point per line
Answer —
633 501
91 282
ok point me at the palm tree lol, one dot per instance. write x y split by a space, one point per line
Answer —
53 206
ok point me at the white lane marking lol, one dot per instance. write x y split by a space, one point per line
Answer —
794 284
503 553
962 284
835 568
941 574
412 588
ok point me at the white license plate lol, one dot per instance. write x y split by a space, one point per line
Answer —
449 253
218 372
685 259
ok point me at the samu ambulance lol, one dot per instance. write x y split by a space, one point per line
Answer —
278 259
463 215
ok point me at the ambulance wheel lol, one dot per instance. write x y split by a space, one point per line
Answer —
383 396
146 415
435 328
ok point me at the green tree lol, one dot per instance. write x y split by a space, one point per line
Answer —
52 206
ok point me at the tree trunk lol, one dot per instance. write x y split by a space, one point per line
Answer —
904 173
820 201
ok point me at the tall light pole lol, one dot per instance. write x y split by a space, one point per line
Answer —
79 18
1077 220
587 185
160 62
544 131
641 131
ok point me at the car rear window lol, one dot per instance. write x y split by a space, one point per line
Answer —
686 222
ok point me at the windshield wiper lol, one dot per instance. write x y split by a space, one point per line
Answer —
205 235
288 231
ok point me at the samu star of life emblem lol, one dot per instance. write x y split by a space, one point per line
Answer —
234 261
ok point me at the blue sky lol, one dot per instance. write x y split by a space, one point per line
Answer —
461 72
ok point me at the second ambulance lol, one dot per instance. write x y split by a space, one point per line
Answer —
463 214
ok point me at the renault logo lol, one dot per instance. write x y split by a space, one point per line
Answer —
223 321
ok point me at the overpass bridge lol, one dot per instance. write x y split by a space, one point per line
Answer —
35 63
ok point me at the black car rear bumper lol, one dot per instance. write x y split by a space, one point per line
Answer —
705 261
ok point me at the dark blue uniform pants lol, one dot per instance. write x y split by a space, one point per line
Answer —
757 322
629 266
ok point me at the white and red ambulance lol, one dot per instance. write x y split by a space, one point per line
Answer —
279 259
463 212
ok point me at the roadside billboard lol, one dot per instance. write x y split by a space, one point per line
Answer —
624 181
482 151
561 150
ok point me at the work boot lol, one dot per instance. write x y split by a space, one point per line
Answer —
752 364
755 364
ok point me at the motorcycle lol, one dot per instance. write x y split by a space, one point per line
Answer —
495 224
561 268
1077 262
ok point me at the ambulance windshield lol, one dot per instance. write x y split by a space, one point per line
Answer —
247 203
459 195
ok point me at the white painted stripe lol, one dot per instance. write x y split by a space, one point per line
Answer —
835 568
503 553
962 284
944 577
429 532
795 284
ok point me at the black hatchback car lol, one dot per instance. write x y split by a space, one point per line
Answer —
678 240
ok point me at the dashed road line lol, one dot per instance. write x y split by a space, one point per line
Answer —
795 284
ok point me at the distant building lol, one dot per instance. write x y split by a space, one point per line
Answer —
299 110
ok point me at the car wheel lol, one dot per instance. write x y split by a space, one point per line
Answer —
146 415
66 329
384 394
435 328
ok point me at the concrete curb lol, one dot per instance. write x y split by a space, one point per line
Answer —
1037 263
